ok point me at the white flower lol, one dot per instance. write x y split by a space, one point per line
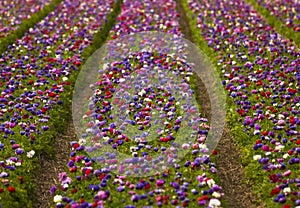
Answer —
214 203
117 180
57 198
9 162
256 157
89 130
216 194
256 132
82 141
142 92
287 190
210 182
202 146
30 153
133 149
65 79
285 156
279 147
121 80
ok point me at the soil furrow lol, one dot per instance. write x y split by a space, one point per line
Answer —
237 194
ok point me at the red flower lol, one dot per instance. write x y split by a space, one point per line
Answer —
147 186
275 191
258 141
11 189
44 110
286 206
101 176
274 178
214 152
73 169
77 63
52 94
203 198
76 145
1 190
88 171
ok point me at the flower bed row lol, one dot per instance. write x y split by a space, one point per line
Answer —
31 16
12 13
289 31
260 71
100 179
286 11
37 74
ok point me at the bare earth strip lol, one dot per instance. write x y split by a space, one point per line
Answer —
231 173
50 168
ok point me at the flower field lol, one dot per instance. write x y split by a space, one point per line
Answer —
142 137
14 12
285 11
260 71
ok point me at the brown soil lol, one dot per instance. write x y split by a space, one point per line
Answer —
237 194
50 168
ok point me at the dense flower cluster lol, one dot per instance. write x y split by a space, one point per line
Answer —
91 181
287 11
261 74
34 72
13 12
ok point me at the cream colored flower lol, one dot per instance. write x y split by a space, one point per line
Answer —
57 198
256 157
216 194
31 153
210 182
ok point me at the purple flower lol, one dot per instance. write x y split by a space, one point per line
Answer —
53 189
19 151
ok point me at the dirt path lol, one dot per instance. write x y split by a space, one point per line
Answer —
50 168
231 173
